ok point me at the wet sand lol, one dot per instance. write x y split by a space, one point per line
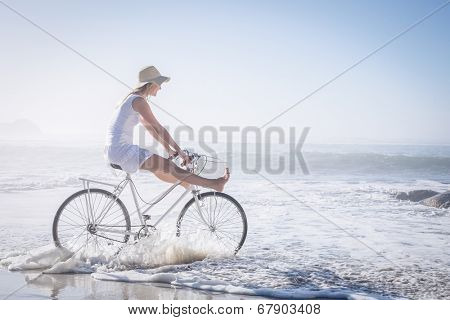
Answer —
34 286
23 220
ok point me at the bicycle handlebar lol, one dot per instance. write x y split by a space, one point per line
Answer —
191 155
194 160
174 156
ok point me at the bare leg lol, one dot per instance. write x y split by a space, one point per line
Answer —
169 178
163 167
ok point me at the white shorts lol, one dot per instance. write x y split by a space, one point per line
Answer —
129 157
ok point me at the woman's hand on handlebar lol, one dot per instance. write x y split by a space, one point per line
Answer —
185 157
173 154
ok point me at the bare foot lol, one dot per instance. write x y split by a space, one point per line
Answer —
220 184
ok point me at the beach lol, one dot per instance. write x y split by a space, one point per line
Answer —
339 234
26 285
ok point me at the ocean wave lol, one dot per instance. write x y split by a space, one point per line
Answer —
22 182
157 250
320 164
174 268
375 163
25 184
196 282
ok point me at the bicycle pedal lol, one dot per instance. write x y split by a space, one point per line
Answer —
146 217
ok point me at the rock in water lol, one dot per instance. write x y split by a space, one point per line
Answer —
441 201
416 195
401 196
419 195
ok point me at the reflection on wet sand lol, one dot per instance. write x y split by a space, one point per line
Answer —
83 286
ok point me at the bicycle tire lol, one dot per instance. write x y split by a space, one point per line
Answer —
242 220
71 200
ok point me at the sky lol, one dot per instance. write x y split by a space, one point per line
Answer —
233 63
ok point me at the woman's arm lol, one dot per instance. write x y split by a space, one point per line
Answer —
155 135
157 130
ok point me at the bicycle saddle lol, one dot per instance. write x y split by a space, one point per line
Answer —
115 166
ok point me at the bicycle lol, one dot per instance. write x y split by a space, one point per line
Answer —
97 217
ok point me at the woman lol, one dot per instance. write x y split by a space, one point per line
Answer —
121 151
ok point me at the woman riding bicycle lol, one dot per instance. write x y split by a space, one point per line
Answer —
121 151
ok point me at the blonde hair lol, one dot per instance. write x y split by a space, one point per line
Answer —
141 88
136 90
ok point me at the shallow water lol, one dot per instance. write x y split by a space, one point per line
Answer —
318 236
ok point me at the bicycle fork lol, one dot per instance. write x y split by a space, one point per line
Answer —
195 193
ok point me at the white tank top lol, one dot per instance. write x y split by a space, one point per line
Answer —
122 123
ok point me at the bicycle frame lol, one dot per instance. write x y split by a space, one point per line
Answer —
141 210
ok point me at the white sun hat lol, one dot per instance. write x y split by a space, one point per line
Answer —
151 74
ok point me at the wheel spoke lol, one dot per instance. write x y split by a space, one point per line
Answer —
76 214
72 228
78 209
115 216
232 220
106 209
75 223
225 242
64 228
226 219
194 216
86 214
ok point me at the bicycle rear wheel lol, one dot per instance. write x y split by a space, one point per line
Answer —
222 220
91 219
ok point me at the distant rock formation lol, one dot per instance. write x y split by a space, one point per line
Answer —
19 129
426 197
441 201
416 195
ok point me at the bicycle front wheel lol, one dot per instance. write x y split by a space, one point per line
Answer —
216 215
91 219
